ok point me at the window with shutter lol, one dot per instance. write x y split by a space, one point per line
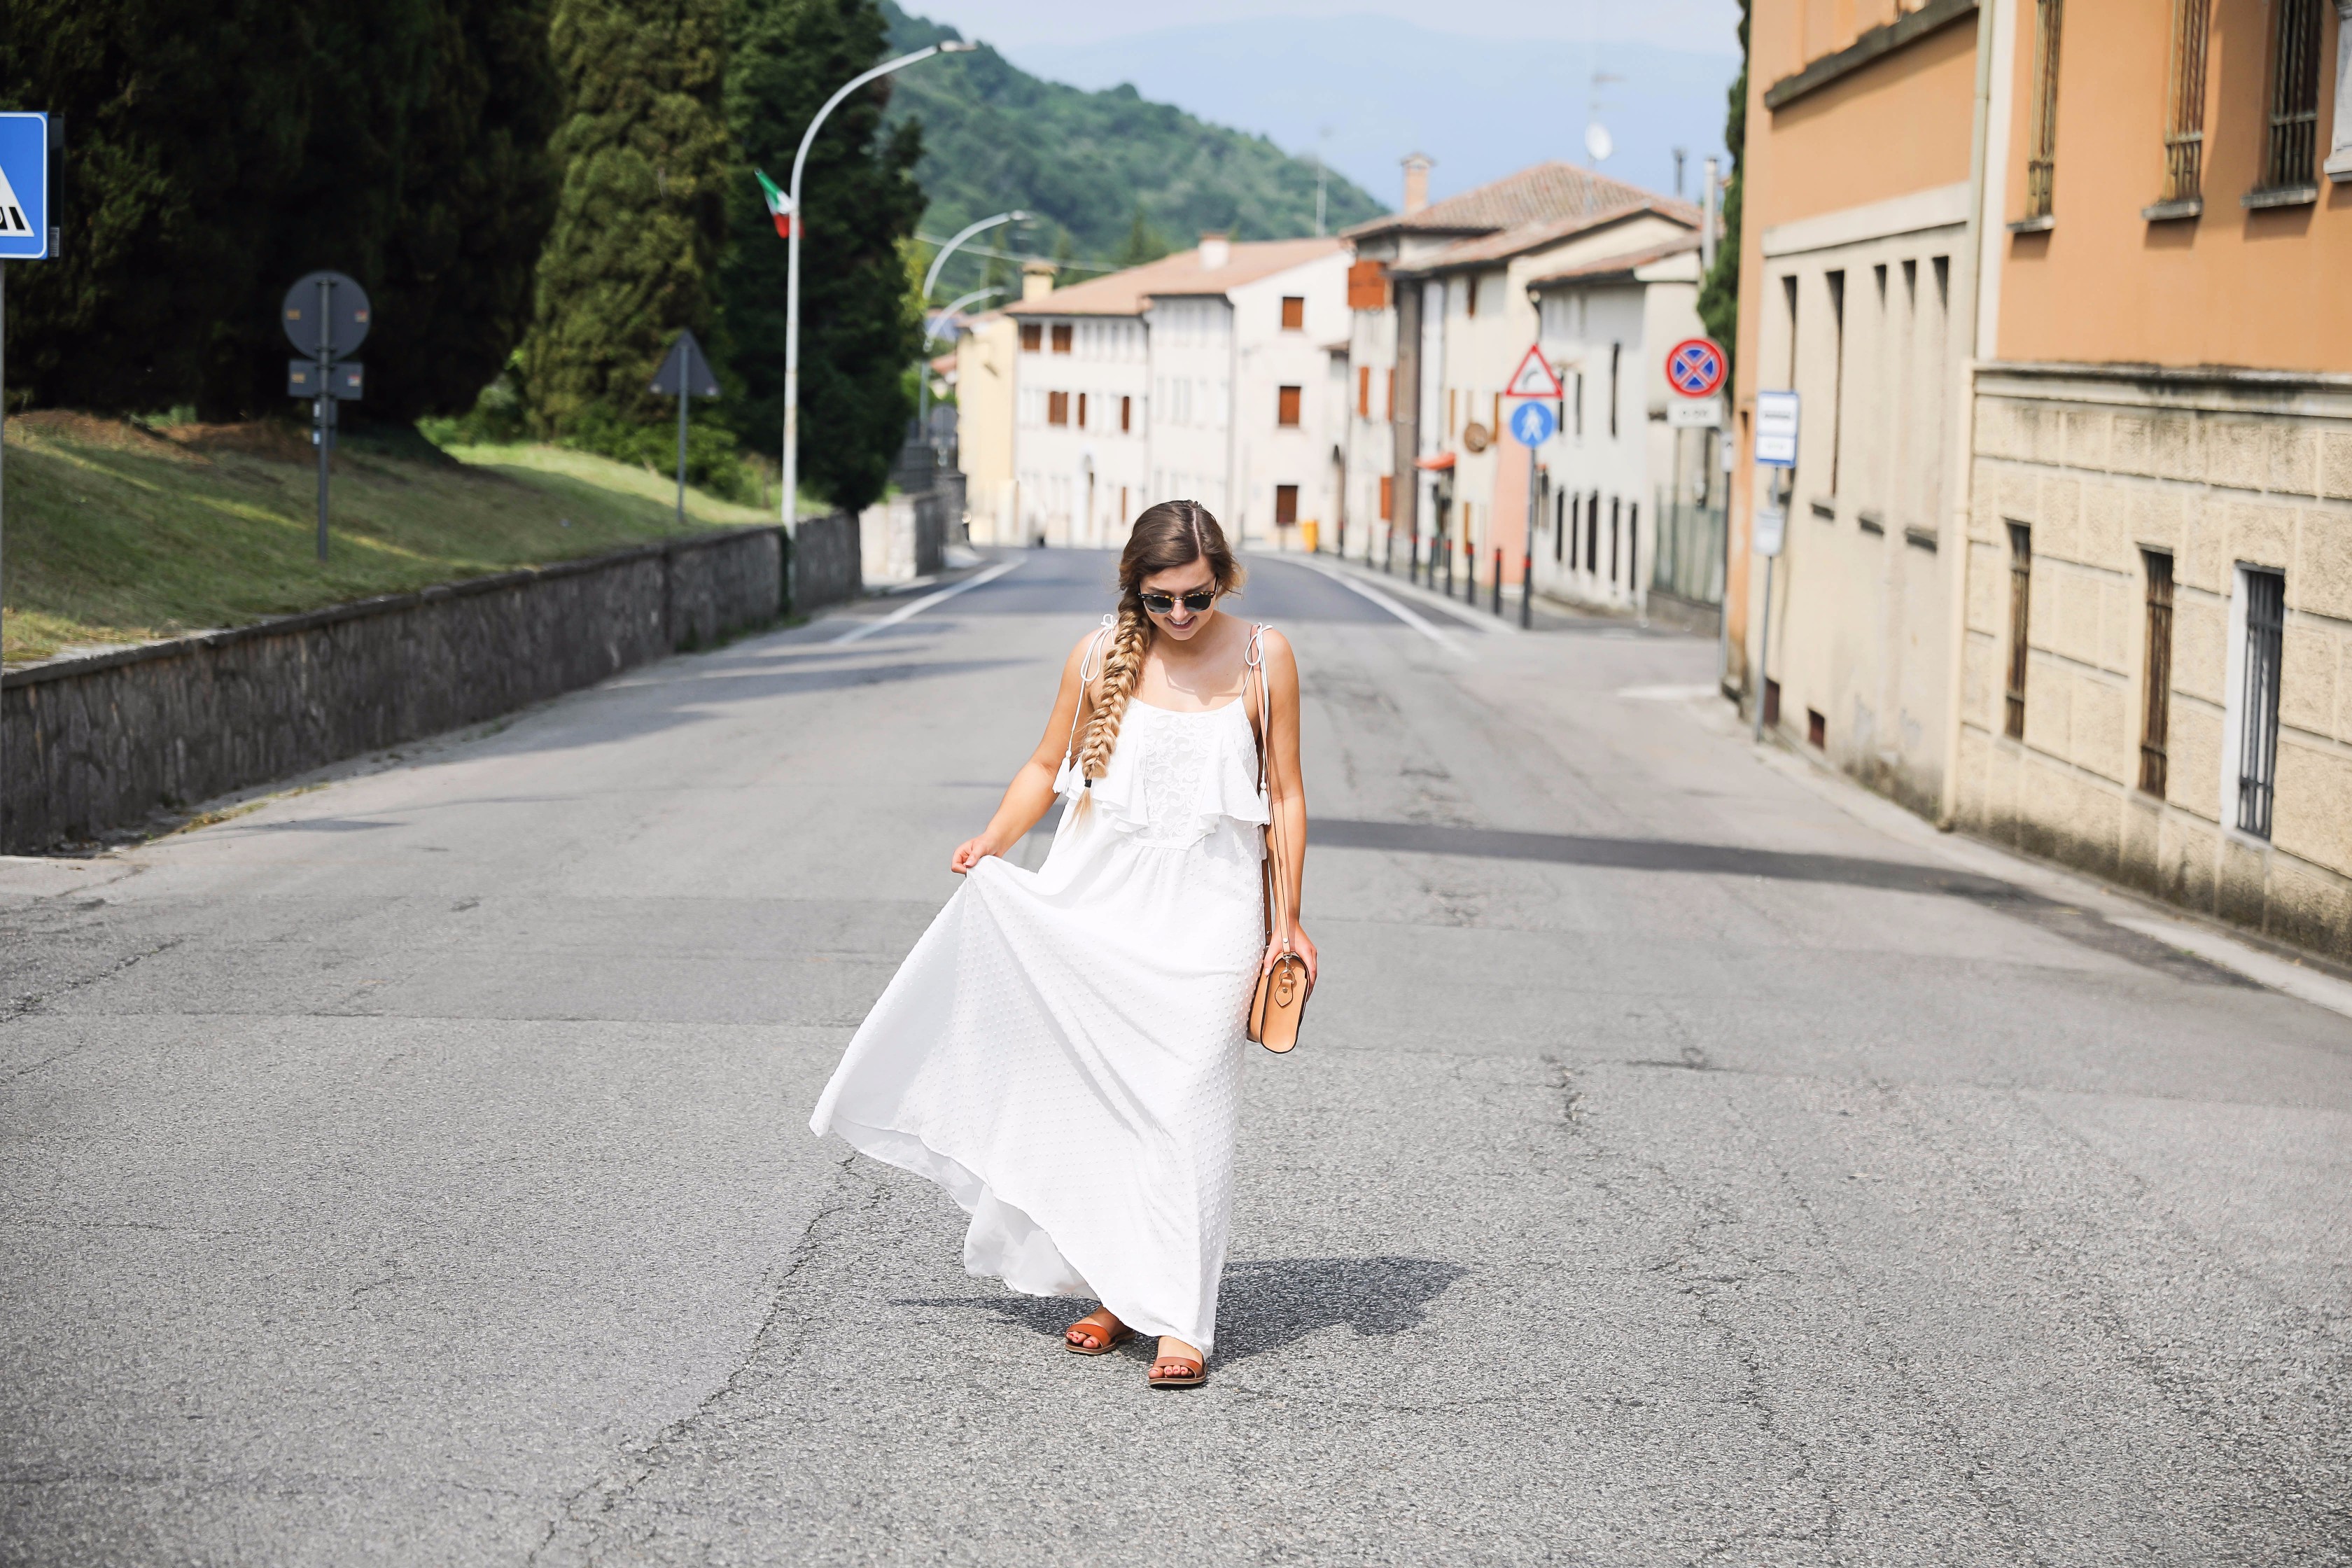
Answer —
1294 312
1126 415
1057 408
1364 392
1082 410
1062 338
1032 338
1286 406
1388 497
1286 505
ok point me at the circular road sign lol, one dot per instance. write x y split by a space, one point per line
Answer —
1531 424
347 314
1694 367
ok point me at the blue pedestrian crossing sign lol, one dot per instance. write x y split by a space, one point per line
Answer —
23 187
1532 424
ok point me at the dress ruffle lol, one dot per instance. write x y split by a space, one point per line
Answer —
1200 773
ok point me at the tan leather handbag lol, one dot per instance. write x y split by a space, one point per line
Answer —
1278 1007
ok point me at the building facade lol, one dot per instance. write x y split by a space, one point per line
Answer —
1444 309
1203 375
2069 542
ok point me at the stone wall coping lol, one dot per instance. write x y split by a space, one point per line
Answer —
2221 388
67 666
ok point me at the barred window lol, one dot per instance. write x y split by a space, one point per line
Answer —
2258 719
2184 116
2041 150
2156 703
2021 603
2295 98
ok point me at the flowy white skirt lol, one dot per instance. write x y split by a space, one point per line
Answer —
1061 1050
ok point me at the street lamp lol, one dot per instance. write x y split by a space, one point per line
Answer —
923 378
931 334
791 464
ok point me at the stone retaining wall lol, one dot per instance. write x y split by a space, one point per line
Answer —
826 565
104 741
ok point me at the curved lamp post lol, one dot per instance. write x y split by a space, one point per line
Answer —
791 463
949 249
931 335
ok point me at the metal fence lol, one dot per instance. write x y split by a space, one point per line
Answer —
1688 558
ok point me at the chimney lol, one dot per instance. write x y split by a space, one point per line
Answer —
1037 278
1216 249
1416 182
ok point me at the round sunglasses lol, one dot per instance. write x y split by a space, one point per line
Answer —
1165 604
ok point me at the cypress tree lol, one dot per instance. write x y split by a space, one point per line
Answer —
403 142
640 222
860 324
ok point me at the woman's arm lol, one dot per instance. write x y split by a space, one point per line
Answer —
1031 792
1288 787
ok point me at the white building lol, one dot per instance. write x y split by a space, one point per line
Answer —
1618 483
1443 314
1203 375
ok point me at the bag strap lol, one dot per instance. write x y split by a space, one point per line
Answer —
1086 679
1277 884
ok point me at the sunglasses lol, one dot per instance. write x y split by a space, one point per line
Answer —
1165 604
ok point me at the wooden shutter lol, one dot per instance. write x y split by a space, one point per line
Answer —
1062 338
1126 417
1286 505
1057 408
1368 286
1032 338
1294 312
1363 391
1388 497
1286 408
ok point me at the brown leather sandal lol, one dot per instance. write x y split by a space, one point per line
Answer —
1193 1376
1108 1335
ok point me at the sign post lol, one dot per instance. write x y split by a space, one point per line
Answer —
1776 449
326 317
1532 424
685 373
24 235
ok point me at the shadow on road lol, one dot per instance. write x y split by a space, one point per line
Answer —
2085 927
1268 1304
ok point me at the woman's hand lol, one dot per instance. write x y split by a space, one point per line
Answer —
972 852
1299 943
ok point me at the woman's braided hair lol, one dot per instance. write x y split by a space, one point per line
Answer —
1173 534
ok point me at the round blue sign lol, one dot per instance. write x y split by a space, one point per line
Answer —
1532 424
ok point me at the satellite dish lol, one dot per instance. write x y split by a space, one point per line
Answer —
1597 141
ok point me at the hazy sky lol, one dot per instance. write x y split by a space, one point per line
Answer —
1671 22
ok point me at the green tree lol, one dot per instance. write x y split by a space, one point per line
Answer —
1143 242
860 324
1718 295
403 142
640 224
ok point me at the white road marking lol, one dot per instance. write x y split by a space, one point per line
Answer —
906 611
1410 618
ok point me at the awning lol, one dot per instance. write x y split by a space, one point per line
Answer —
1443 460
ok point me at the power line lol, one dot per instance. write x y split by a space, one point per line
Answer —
1015 256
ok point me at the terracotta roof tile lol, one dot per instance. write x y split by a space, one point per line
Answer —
1624 261
1539 195
1504 244
1125 293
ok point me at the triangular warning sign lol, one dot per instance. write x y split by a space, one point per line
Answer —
12 211
1534 378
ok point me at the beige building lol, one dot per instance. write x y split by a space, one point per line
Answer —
1204 374
2069 551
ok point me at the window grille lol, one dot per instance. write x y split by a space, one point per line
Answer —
2184 118
2042 156
2155 707
2258 737
2295 95
2020 598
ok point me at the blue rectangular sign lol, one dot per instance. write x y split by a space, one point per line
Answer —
23 187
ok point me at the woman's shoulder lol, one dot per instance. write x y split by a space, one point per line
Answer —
1275 646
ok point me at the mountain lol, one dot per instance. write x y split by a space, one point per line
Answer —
996 137
1385 87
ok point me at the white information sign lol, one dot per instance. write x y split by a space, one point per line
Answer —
1775 429
1701 414
1772 527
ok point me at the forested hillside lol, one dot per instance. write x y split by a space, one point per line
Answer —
1086 162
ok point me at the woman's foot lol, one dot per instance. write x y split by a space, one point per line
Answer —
1178 1365
1098 1331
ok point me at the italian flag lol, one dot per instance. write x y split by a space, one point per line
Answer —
780 206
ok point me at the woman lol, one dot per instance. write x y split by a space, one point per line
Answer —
1061 1050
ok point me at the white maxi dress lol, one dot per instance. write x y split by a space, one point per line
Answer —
1061 1050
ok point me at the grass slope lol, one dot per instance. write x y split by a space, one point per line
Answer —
118 534
995 137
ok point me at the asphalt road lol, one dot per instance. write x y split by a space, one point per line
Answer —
1680 1165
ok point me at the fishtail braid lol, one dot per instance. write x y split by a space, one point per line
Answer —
1122 668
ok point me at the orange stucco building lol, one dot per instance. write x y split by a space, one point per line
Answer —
2067 552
